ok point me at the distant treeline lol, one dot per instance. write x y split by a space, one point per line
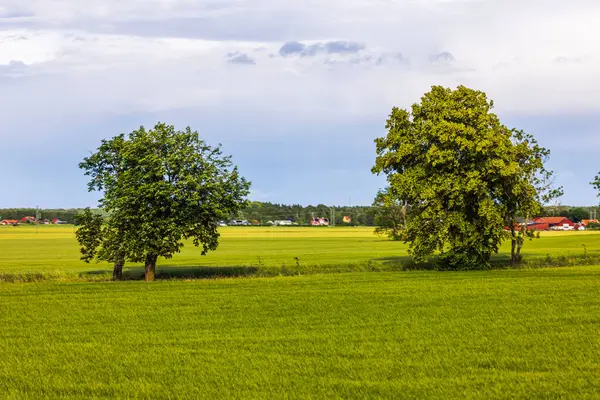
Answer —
67 215
262 213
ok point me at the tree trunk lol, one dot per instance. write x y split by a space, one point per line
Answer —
513 242
521 242
118 268
519 247
150 267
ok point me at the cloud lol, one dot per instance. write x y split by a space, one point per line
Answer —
13 68
353 59
292 48
310 50
15 14
392 58
323 63
240 58
444 57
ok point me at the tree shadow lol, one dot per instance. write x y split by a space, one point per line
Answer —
406 263
184 272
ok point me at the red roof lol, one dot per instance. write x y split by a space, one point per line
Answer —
539 227
554 220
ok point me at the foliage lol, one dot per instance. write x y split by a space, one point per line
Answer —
265 211
525 186
67 215
577 214
160 187
596 183
464 173
100 241
593 226
390 215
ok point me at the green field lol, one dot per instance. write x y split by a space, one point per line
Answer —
495 334
520 333
54 250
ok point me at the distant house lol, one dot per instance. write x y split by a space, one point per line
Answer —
57 221
26 220
319 222
538 227
586 222
282 222
239 222
9 222
554 223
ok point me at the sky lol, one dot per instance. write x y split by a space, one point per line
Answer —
296 91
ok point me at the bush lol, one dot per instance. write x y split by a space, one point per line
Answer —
592 226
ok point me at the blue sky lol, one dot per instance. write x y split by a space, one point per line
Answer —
296 91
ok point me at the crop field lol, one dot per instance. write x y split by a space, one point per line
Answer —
503 334
54 250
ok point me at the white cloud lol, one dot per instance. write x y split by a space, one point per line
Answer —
75 58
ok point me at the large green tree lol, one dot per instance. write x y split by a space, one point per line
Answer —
465 175
596 183
160 187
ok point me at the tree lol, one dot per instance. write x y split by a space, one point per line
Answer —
390 215
453 161
596 183
101 241
577 214
161 187
525 186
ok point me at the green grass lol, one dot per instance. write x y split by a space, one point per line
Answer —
494 334
53 250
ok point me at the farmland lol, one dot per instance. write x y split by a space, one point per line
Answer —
53 250
413 334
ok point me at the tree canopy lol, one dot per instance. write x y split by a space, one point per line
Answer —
465 175
577 214
160 187
390 215
596 183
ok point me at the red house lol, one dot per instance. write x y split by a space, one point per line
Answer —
25 220
555 223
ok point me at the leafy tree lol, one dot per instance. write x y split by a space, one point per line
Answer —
453 161
596 183
577 214
161 187
390 215
525 186
100 241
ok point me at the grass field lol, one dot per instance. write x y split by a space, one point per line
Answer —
517 333
54 250
494 334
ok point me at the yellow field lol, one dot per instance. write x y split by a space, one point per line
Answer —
53 249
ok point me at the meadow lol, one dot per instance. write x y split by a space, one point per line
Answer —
500 334
503 334
53 251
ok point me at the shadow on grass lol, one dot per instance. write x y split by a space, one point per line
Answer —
498 261
386 264
184 272
170 272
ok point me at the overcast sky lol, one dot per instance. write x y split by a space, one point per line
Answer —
295 90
